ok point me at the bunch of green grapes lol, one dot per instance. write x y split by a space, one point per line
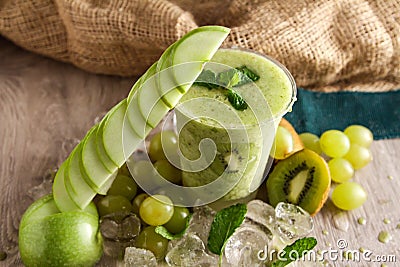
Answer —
125 196
159 210
347 151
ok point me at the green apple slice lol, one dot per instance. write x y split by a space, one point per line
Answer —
101 151
134 88
165 59
151 106
193 50
95 174
107 184
180 60
140 81
135 118
183 62
79 191
61 196
115 129
166 83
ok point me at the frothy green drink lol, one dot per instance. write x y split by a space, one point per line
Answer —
242 138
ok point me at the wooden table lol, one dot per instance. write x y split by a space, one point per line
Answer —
45 106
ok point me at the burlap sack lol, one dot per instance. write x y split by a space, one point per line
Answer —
327 45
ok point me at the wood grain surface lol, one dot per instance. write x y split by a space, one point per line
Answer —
46 106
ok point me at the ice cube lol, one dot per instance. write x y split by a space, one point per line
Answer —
190 251
139 257
291 222
201 221
120 226
116 249
246 257
262 213
119 231
247 246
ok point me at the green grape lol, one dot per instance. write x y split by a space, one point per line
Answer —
334 143
124 170
137 201
311 141
164 142
359 135
168 171
144 173
283 143
149 239
177 223
156 210
341 170
358 156
123 186
143 170
349 196
113 204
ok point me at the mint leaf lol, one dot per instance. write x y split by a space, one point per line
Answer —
229 78
248 73
161 230
302 245
236 100
207 78
224 225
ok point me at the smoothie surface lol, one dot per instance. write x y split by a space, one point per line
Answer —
274 84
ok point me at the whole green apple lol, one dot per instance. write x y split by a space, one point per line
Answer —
50 238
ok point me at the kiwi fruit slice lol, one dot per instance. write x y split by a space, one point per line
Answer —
302 179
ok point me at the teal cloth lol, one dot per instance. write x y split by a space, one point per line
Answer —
317 112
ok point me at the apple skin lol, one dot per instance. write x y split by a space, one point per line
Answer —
62 239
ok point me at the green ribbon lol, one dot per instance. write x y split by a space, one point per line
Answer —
317 112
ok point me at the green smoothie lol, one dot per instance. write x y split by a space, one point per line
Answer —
242 138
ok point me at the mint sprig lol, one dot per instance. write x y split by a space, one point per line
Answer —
228 79
302 245
224 225
161 230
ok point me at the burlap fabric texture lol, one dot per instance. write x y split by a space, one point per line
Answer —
327 45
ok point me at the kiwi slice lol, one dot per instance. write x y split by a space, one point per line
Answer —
302 179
